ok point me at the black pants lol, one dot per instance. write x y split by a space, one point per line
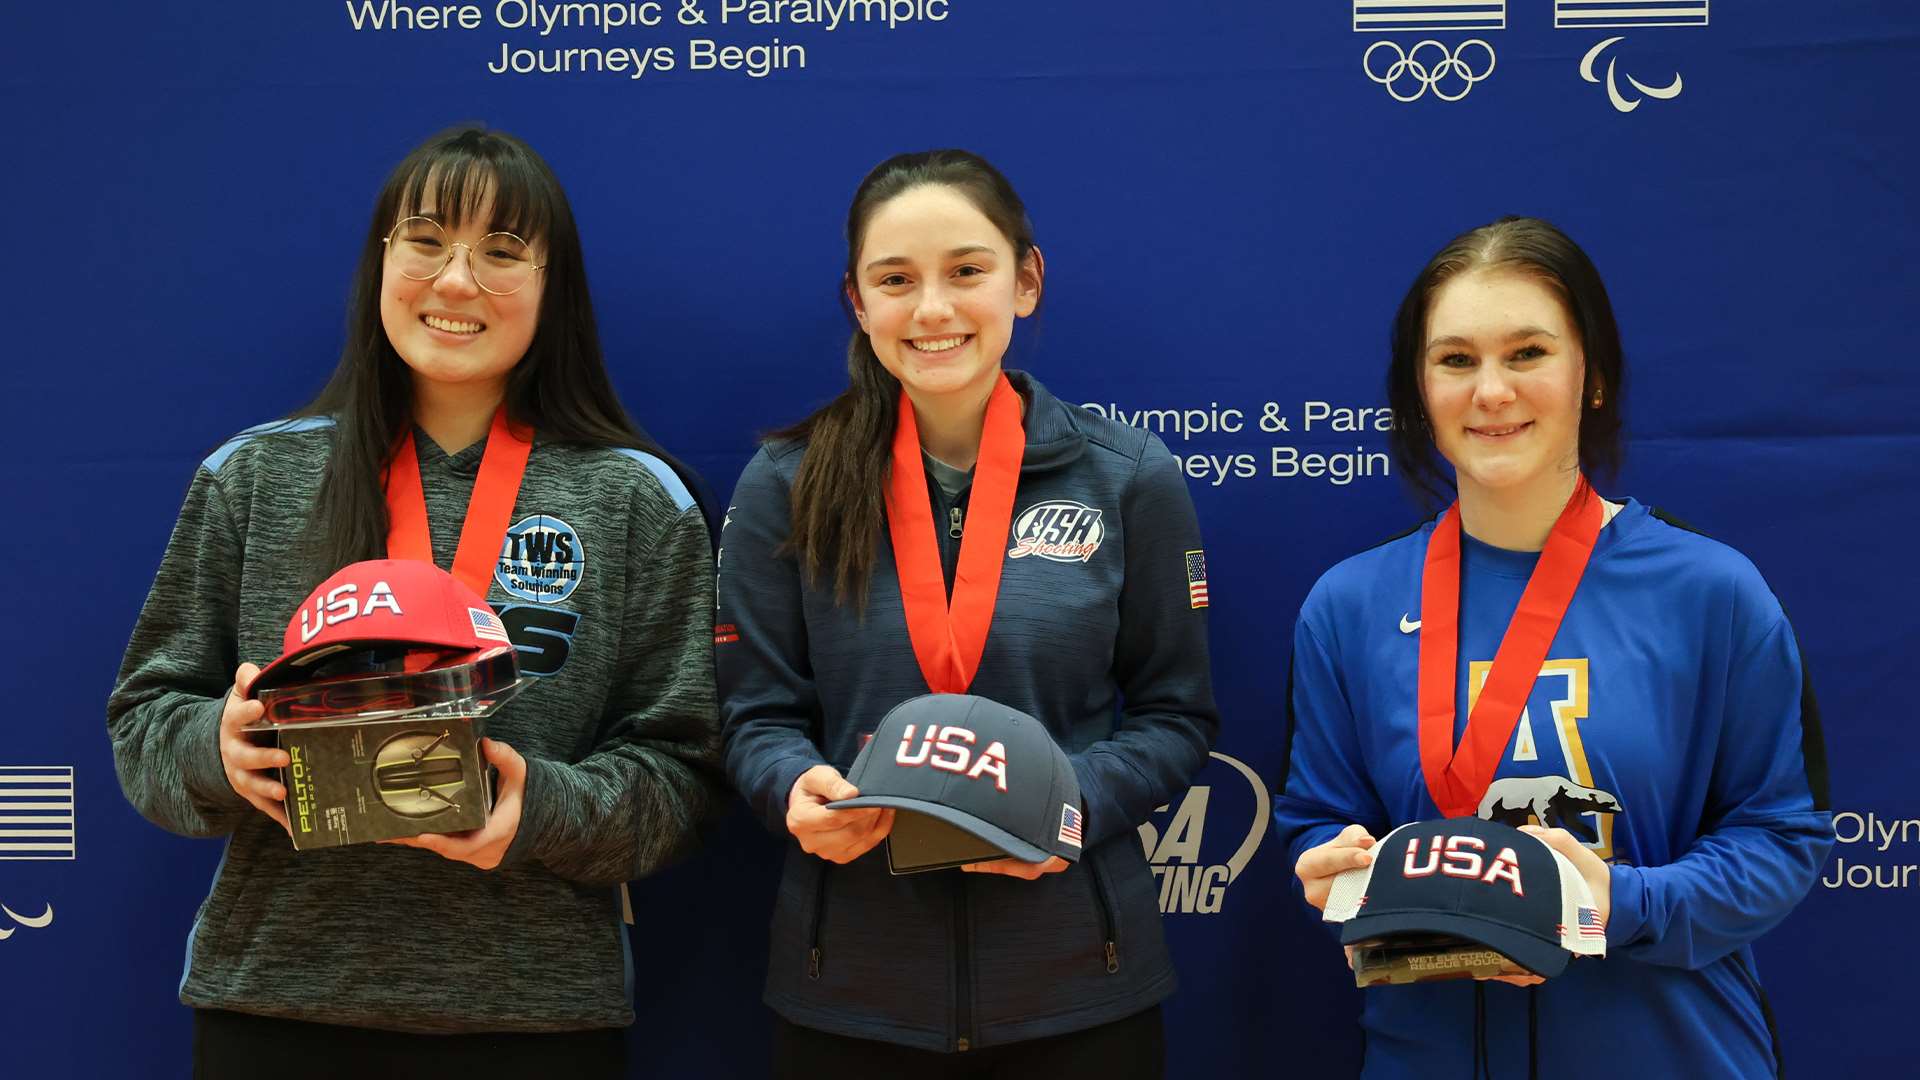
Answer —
245 1047
1130 1049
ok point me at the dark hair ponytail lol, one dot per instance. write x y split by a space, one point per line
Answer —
839 490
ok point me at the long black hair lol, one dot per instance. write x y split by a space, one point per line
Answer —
839 500
560 387
1529 246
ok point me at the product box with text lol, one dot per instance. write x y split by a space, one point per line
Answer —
383 779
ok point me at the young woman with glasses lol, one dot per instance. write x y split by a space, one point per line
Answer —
470 330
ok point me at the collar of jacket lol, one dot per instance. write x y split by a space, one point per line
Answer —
466 463
1054 440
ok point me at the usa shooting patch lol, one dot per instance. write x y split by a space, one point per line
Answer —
1058 530
541 560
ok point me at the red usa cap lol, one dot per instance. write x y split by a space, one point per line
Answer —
384 602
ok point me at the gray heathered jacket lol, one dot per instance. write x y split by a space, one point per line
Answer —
1099 638
620 736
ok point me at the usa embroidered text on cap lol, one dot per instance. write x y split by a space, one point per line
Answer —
977 765
1476 880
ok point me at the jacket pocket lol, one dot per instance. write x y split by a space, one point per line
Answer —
874 950
817 921
1105 904
1077 944
798 918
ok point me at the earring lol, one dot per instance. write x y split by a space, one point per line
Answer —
1598 397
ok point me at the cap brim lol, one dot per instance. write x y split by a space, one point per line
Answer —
272 675
1014 847
292 666
1537 955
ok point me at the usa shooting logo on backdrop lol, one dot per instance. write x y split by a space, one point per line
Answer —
1608 14
36 812
1189 883
1448 70
541 560
1058 530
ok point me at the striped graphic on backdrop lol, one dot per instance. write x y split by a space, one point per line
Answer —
36 811
1576 14
1370 16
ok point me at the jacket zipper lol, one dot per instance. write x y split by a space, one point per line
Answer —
950 543
819 919
1106 916
963 963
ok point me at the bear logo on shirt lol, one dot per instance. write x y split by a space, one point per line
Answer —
1554 801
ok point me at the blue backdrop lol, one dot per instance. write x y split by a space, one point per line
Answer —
1231 197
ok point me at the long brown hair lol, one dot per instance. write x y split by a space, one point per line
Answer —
560 387
839 502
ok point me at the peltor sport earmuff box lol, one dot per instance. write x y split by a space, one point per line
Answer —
383 779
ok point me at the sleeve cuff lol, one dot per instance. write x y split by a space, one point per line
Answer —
536 813
1628 913
780 780
1099 811
203 771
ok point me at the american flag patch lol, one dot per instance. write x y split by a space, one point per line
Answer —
1591 925
1069 825
1196 579
36 811
488 627
1579 14
1373 16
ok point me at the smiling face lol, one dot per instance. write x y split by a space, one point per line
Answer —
936 286
448 330
1502 380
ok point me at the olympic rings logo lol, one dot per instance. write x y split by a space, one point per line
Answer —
1427 74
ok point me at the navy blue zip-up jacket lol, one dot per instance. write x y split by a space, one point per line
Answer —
1095 633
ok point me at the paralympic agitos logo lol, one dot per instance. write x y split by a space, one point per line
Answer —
14 920
1189 884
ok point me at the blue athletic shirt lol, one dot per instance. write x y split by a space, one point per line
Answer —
1671 729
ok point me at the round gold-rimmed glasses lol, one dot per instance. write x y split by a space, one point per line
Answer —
500 263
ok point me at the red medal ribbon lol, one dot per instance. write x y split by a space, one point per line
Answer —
484 532
950 636
1458 779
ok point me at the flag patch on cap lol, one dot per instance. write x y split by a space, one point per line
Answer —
1591 924
488 627
1069 825
1197 579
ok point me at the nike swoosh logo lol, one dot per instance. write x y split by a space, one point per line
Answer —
1408 626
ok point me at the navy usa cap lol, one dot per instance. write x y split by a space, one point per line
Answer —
988 770
1475 880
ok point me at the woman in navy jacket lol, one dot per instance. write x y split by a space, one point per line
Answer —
1097 629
